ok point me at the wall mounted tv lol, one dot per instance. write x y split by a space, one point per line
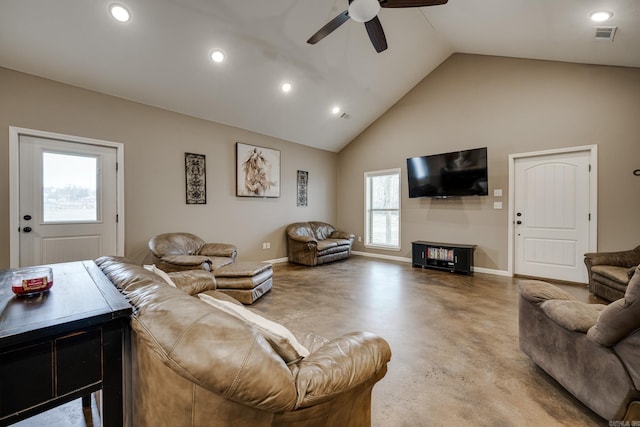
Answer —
459 173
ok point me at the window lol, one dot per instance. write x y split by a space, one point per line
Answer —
382 209
69 184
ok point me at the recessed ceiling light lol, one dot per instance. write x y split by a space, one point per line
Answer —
601 16
217 56
119 12
286 87
335 110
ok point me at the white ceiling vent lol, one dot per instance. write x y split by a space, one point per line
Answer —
605 33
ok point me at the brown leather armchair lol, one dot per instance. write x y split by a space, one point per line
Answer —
609 272
186 251
314 242
193 364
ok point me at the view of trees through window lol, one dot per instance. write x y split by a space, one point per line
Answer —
69 187
383 208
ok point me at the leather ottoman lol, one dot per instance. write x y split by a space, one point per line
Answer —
244 281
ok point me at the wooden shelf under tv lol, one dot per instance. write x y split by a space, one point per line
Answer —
457 258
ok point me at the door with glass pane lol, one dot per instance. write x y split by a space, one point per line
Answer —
68 201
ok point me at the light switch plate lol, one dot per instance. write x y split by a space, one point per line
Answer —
497 192
497 205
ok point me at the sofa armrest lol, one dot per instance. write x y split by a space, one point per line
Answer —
302 239
219 249
628 258
185 260
339 365
193 282
343 235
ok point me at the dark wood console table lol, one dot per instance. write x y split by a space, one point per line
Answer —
63 344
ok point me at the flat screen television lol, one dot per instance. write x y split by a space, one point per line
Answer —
459 173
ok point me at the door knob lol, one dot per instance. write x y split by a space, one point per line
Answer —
518 222
27 217
27 229
519 214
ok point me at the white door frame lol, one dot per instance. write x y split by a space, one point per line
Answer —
14 184
593 196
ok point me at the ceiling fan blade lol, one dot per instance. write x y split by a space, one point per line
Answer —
411 3
376 34
329 28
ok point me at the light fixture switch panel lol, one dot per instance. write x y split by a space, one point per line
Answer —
497 205
497 192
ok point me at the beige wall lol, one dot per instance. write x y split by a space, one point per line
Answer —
510 106
155 141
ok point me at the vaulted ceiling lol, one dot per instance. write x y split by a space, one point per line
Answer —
161 56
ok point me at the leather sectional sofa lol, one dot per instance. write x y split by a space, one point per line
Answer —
314 243
590 349
193 364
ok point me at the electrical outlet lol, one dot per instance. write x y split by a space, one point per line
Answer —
264 245
359 238
268 245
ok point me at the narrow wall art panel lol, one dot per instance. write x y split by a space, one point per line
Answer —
302 185
257 171
196 178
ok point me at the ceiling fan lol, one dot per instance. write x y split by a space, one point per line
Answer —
367 11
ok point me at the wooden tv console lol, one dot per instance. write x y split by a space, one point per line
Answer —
456 258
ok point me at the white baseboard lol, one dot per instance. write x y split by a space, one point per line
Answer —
277 260
409 260
381 256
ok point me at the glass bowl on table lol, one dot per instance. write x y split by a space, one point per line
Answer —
31 281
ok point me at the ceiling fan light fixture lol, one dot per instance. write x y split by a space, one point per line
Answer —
363 10
335 110
286 87
601 15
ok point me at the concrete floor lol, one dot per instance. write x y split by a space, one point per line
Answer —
454 339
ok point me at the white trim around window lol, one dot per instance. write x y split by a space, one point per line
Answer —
382 209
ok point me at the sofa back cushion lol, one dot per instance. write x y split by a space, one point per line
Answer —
619 318
175 244
321 230
302 229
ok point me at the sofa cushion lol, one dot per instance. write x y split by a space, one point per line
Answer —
573 315
322 230
612 272
619 318
301 229
193 282
280 338
538 291
176 244
152 268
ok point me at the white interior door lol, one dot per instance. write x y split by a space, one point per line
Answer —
551 215
68 202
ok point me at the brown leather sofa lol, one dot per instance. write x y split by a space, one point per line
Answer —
186 251
195 365
590 349
314 242
609 272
